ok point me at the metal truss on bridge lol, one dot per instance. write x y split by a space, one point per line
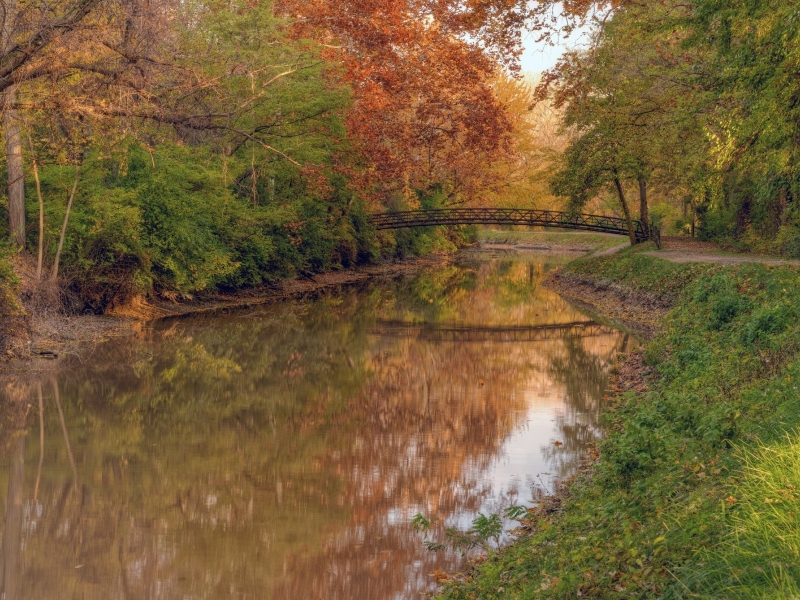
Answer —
532 333
506 216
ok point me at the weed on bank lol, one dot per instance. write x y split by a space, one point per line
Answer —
696 492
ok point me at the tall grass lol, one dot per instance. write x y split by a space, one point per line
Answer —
760 556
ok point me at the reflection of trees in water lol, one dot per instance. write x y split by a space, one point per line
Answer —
285 448
10 573
423 416
582 369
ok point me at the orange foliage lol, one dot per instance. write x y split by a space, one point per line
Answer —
423 108
424 112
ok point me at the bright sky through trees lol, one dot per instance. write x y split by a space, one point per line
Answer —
539 56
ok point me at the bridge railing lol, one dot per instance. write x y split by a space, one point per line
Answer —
507 216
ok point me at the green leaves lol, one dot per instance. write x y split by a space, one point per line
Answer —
485 530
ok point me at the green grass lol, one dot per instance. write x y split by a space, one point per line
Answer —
9 284
651 519
643 273
598 241
758 557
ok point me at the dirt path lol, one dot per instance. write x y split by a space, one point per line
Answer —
684 250
722 259
612 250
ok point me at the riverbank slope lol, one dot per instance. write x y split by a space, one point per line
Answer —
41 331
694 492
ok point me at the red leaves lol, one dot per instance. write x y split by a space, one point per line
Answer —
423 110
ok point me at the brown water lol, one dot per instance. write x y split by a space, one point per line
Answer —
281 452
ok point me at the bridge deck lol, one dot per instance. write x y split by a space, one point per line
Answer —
507 216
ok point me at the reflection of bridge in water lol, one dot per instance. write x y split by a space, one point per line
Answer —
511 333
512 216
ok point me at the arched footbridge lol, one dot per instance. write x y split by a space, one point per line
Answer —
512 216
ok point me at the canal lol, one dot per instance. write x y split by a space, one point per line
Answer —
280 452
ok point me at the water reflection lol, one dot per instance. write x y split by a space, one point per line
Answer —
281 452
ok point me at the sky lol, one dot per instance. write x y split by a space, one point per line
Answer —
538 57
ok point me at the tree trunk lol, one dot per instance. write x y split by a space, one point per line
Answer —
54 274
41 220
625 209
777 208
16 176
35 169
644 213
54 383
41 441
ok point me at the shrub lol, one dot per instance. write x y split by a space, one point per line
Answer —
13 325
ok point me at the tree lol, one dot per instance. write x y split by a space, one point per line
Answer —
423 109
535 145
634 91
592 162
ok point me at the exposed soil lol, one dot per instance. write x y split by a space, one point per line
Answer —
631 375
612 250
638 311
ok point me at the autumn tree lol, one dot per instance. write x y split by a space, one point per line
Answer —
536 142
423 108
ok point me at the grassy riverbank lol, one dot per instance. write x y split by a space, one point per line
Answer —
695 491
585 241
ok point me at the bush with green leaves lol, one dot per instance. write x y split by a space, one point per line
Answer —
12 316
9 283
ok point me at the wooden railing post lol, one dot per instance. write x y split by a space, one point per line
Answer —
655 234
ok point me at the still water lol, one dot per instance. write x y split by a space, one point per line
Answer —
280 452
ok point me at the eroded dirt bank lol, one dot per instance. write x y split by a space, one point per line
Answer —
637 310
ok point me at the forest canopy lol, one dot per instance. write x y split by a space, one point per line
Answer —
176 148
179 148
695 108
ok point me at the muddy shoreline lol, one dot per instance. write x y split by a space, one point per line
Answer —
637 311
